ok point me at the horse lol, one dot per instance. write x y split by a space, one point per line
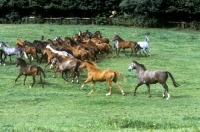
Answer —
59 52
29 50
152 77
120 43
66 64
144 46
96 74
13 51
104 47
29 70
1 56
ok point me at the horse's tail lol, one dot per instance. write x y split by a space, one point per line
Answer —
118 73
173 80
41 71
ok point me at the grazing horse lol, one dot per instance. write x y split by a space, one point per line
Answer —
96 74
120 43
66 64
151 77
12 51
29 70
144 46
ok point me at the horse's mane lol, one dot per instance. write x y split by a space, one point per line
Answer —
141 65
118 37
92 63
22 61
5 44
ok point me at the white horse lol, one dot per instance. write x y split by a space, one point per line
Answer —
144 46
64 53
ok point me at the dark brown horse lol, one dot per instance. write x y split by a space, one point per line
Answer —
29 70
151 77
66 64
96 74
119 44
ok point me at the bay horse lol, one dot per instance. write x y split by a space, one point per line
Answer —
66 64
9 51
29 70
119 44
96 74
152 77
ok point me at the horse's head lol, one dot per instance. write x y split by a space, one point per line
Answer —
132 66
146 39
20 62
20 41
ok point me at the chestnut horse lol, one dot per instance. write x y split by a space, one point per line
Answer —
119 44
96 74
29 70
151 77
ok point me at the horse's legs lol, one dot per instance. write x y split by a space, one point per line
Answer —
86 81
165 90
17 77
125 52
110 85
10 58
40 76
62 73
139 84
33 81
92 90
24 80
148 88
120 88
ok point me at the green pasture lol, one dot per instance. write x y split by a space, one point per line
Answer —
62 107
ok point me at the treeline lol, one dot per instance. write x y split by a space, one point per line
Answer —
148 13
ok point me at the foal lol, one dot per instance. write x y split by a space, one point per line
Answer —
29 70
151 77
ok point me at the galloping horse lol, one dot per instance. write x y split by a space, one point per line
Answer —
12 51
29 70
96 74
120 43
151 77
64 53
144 46
66 64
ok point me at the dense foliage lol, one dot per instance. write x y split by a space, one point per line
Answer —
149 13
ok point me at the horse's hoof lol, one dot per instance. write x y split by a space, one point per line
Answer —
107 94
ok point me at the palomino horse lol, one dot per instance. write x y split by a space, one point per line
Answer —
12 51
29 70
151 77
96 74
119 44
66 64
144 46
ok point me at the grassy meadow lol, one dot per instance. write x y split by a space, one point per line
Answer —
62 107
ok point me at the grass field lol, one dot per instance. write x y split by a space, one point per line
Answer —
62 106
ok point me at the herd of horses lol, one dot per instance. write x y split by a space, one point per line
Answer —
81 52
